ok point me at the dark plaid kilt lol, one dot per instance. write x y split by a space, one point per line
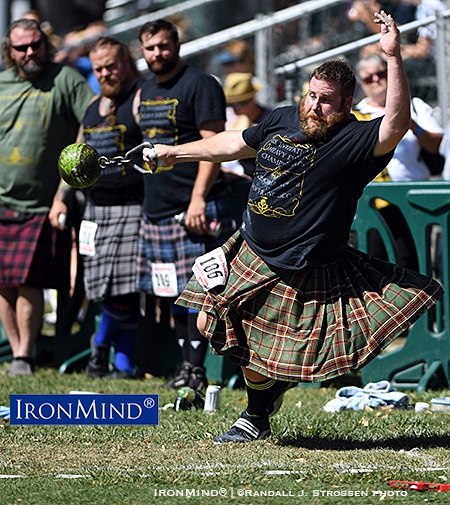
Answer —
112 271
166 241
33 253
314 324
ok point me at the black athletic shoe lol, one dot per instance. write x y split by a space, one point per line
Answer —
246 429
180 377
98 365
277 399
197 379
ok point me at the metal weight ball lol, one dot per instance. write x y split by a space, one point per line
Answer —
78 165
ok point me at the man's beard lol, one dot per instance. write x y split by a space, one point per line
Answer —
162 67
323 127
32 67
111 89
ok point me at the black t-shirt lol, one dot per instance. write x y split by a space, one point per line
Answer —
172 113
117 184
303 196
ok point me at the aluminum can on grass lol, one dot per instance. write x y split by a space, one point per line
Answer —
212 398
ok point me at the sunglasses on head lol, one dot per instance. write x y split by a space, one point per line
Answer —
382 74
24 48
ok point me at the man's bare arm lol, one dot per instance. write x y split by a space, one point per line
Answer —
195 218
397 119
225 146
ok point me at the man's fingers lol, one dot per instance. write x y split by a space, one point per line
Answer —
149 154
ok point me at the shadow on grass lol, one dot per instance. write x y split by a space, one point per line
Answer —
336 444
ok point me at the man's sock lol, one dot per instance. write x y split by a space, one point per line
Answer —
259 396
110 322
125 344
198 344
181 329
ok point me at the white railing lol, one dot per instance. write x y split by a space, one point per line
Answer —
442 20
134 23
261 28
443 64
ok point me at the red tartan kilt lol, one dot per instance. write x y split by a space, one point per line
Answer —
34 253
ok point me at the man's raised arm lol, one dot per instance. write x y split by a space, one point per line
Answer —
398 103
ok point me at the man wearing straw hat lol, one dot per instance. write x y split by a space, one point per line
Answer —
241 97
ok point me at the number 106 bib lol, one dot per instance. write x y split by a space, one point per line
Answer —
211 269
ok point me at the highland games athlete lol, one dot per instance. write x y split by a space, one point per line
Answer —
109 231
286 296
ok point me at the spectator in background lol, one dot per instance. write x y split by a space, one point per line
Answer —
55 40
235 56
406 164
42 104
425 131
241 96
50 295
179 104
113 212
75 48
361 12
419 54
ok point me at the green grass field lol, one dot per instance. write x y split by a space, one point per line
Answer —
313 457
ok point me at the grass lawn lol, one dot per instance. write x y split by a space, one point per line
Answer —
313 456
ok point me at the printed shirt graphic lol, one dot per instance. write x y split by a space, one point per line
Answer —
118 183
172 113
282 178
304 195
37 120
161 118
108 141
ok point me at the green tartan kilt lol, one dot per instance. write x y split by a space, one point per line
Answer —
314 324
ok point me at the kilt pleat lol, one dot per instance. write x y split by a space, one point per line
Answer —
112 270
313 324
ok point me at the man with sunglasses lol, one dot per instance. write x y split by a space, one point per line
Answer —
41 107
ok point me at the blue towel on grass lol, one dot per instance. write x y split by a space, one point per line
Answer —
373 395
